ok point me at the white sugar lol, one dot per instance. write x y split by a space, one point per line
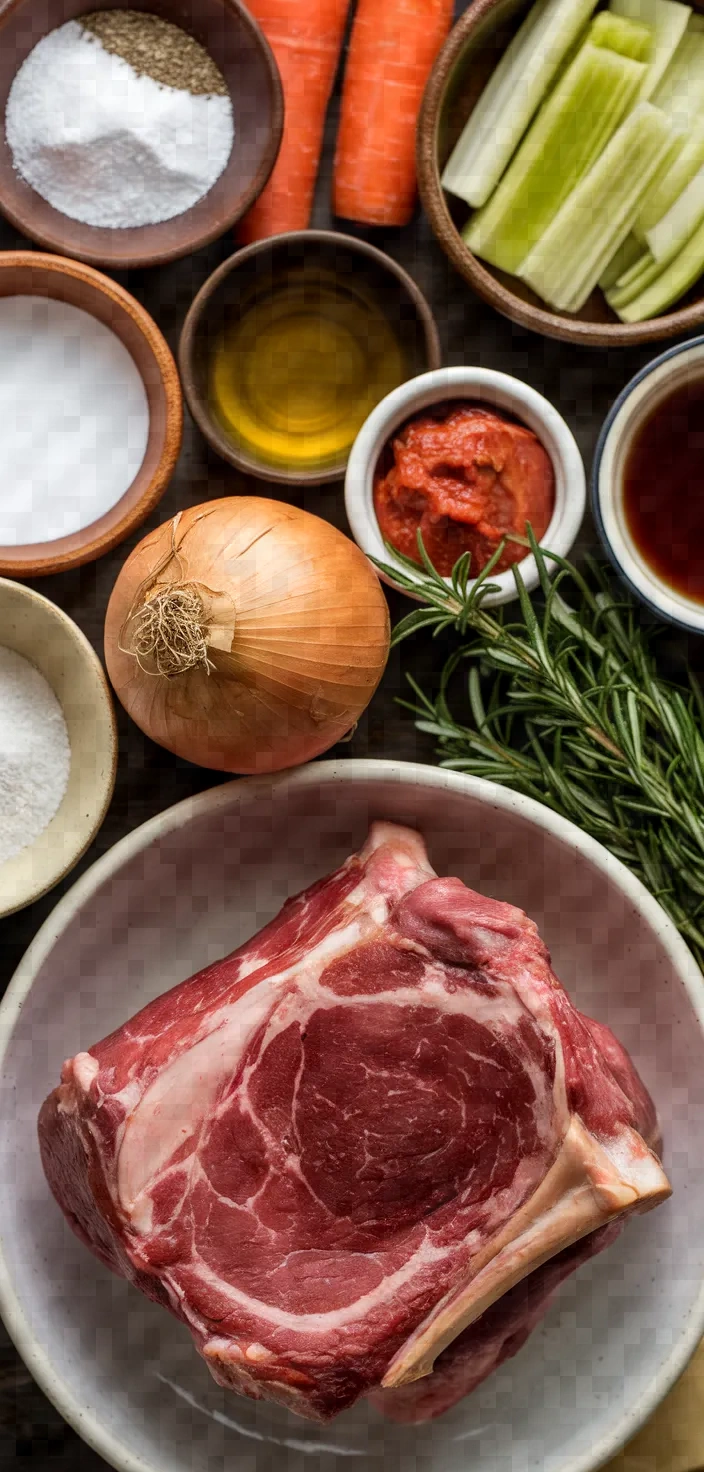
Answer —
35 756
106 145
74 420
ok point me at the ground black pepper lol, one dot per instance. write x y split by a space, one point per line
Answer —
157 49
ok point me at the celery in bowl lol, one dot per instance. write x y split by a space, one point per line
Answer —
546 176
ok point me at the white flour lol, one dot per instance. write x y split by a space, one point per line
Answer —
105 145
74 419
35 756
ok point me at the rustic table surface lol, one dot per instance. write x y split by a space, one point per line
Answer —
582 383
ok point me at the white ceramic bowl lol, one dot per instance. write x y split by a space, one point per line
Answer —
186 888
499 391
46 636
637 401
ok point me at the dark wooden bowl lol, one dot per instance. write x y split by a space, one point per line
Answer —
236 43
29 273
468 58
261 264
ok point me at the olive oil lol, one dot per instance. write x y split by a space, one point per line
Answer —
300 366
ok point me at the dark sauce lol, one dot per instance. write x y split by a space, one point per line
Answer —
663 490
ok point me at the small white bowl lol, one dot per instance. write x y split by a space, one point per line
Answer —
633 406
479 385
49 639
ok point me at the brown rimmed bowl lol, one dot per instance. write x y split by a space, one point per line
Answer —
464 65
237 45
29 273
262 264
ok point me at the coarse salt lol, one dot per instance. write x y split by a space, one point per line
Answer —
74 419
107 145
35 756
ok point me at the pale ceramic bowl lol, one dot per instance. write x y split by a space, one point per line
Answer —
186 888
481 386
671 370
46 636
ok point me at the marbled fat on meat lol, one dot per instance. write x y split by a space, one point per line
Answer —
332 1152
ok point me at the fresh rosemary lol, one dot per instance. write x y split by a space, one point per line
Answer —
566 705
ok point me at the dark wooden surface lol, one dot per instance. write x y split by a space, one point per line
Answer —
581 382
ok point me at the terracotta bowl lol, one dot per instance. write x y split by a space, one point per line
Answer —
465 63
236 43
29 273
257 266
49 639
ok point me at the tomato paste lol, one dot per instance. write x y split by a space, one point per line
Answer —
464 477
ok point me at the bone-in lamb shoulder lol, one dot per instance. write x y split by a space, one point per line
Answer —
332 1152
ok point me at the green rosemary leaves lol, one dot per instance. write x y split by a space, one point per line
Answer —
563 702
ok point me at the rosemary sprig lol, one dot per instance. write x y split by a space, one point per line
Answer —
565 703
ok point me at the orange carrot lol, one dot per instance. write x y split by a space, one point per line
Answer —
393 46
305 37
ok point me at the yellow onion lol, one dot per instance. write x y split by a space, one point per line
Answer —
246 635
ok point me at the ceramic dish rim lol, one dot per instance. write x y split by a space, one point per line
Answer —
42 559
78 637
544 320
599 493
461 382
191 325
355 770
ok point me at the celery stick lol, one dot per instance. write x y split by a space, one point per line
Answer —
568 260
670 285
667 238
680 92
668 20
627 255
569 133
511 97
632 283
669 184
628 37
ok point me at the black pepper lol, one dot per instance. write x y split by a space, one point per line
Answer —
155 48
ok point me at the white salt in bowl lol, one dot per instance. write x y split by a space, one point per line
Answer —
189 886
50 640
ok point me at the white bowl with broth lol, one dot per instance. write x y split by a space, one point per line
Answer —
678 368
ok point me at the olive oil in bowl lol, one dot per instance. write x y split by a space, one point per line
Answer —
300 364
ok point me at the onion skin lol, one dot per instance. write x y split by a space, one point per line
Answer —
311 637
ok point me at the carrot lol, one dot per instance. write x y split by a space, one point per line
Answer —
393 46
305 37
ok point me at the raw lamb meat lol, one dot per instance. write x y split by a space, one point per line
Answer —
332 1152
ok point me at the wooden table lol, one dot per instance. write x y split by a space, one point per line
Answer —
580 382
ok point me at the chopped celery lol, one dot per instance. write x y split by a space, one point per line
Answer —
670 183
569 133
626 256
668 20
568 260
680 92
672 232
671 283
512 95
628 37
633 282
